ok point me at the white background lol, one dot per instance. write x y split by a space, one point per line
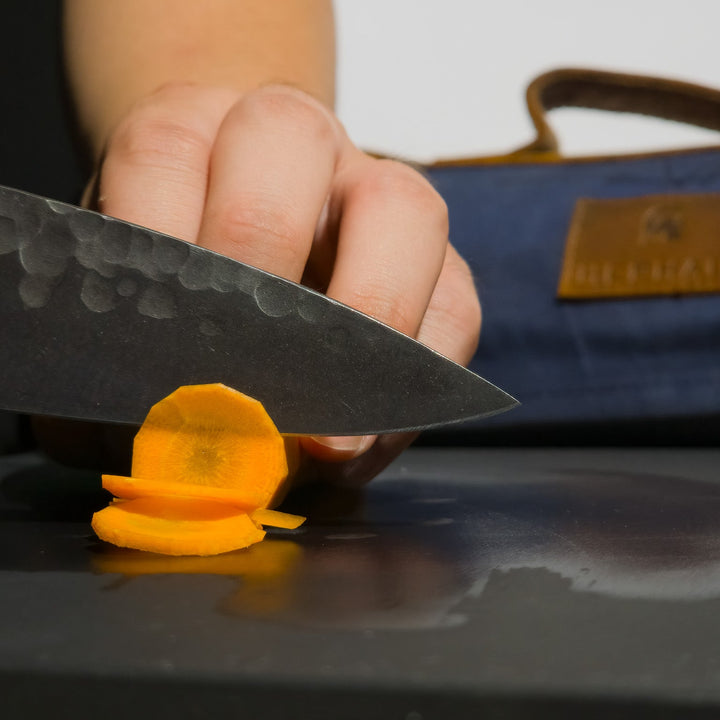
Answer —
441 78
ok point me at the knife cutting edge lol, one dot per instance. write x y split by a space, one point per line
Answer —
101 319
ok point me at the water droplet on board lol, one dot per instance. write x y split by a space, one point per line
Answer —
438 521
351 536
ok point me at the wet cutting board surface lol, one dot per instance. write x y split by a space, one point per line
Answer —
518 583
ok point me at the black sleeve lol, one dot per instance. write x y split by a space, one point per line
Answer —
37 149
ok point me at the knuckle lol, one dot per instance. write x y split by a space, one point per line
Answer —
395 182
248 222
283 105
172 89
149 137
382 304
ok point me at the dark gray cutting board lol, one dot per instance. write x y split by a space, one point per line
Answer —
461 584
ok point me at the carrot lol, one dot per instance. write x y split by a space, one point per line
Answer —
273 518
129 488
207 463
212 435
176 526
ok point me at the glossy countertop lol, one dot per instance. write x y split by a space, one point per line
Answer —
499 583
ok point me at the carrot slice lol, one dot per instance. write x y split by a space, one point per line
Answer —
130 488
215 436
274 518
176 526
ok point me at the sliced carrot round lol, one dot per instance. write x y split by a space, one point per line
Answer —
176 526
215 436
130 488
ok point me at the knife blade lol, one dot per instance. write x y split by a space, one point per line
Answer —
101 318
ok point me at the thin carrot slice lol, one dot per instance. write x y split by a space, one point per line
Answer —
274 518
215 436
176 526
130 488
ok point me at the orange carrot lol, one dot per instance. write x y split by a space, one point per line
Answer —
176 526
207 462
130 488
273 518
212 435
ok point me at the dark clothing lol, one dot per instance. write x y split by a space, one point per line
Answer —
37 152
36 148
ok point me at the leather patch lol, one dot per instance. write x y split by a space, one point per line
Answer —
651 245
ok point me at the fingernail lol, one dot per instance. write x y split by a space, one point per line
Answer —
350 444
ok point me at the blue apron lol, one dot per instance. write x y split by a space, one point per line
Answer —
593 360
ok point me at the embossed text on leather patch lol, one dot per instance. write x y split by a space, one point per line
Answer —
650 245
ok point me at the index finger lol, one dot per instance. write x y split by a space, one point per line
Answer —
154 172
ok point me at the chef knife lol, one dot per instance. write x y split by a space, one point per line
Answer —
100 319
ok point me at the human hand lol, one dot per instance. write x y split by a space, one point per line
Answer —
271 178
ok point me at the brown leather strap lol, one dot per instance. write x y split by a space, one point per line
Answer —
617 92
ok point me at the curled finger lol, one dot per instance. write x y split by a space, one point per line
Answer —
270 173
